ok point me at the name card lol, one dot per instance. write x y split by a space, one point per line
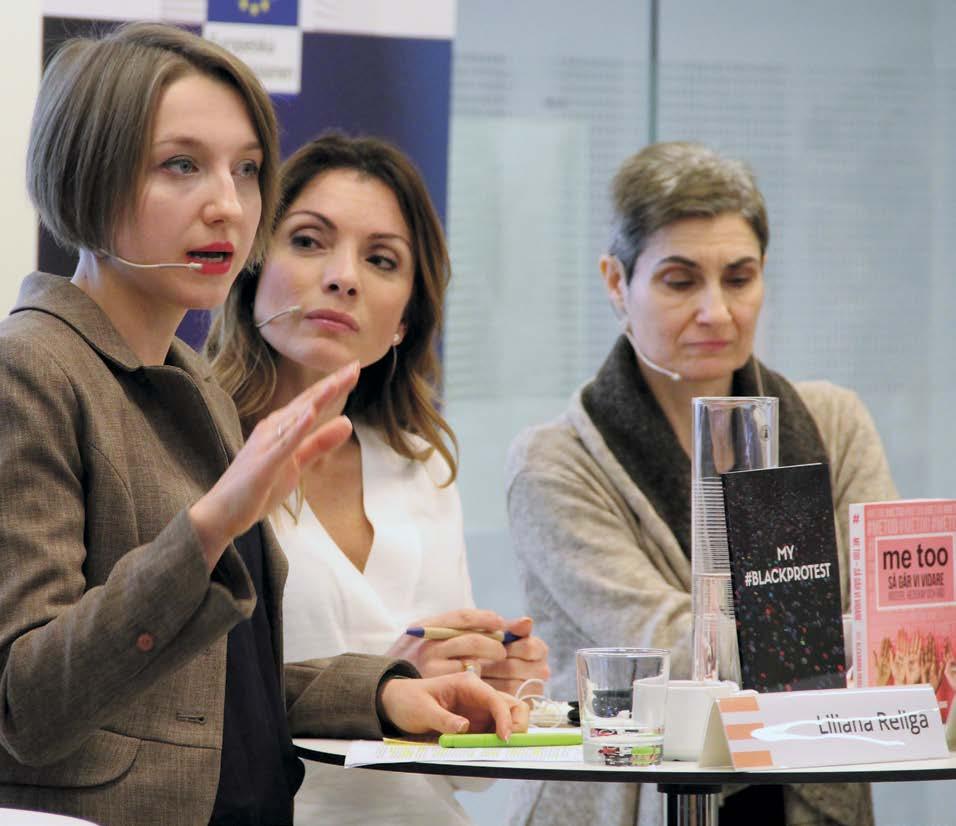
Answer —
837 727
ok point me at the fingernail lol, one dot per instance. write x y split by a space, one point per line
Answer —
462 727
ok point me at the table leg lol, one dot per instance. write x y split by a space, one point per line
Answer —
690 805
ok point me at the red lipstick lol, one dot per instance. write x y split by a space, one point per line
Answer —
215 258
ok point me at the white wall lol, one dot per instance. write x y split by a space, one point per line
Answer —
20 55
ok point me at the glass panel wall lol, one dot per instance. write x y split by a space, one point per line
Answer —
847 113
841 110
546 99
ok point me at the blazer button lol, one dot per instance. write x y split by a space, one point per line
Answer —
145 642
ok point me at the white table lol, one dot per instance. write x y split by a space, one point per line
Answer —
19 817
691 792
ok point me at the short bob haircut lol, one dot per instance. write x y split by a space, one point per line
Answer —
93 124
666 182
397 394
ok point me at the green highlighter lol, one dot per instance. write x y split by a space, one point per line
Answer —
492 741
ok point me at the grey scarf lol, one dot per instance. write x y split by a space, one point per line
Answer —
625 412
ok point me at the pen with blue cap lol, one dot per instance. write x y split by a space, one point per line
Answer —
438 632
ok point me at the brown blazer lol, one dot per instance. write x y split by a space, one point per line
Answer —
112 634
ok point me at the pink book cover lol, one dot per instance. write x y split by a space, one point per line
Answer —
902 565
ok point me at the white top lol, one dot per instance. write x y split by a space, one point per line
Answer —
416 568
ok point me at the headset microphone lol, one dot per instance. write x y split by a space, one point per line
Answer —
295 308
626 329
671 374
618 306
192 265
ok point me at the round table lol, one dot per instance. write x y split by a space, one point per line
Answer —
691 791
21 817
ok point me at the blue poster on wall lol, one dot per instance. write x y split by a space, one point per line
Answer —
362 67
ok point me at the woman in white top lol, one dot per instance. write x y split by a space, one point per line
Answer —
357 269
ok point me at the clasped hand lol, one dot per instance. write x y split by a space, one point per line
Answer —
453 699
504 667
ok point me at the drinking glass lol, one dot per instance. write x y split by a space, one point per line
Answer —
622 694
730 433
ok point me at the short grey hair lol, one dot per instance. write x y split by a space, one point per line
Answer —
666 182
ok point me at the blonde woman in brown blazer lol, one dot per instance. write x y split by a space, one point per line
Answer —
141 677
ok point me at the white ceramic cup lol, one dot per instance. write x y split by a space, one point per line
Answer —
688 707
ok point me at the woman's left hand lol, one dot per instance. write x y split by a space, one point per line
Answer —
527 659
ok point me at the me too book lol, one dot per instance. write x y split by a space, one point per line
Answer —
904 602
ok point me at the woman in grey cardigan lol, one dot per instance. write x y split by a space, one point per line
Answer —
599 499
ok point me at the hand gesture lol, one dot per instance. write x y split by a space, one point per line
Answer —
911 663
905 666
454 703
883 662
949 667
931 666
268 467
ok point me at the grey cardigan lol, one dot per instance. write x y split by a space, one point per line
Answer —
600 567
112 633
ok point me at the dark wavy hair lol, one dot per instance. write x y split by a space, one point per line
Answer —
398 393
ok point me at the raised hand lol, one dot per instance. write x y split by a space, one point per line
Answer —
268 467
911 662
905 665
949 664
883 662
930 663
